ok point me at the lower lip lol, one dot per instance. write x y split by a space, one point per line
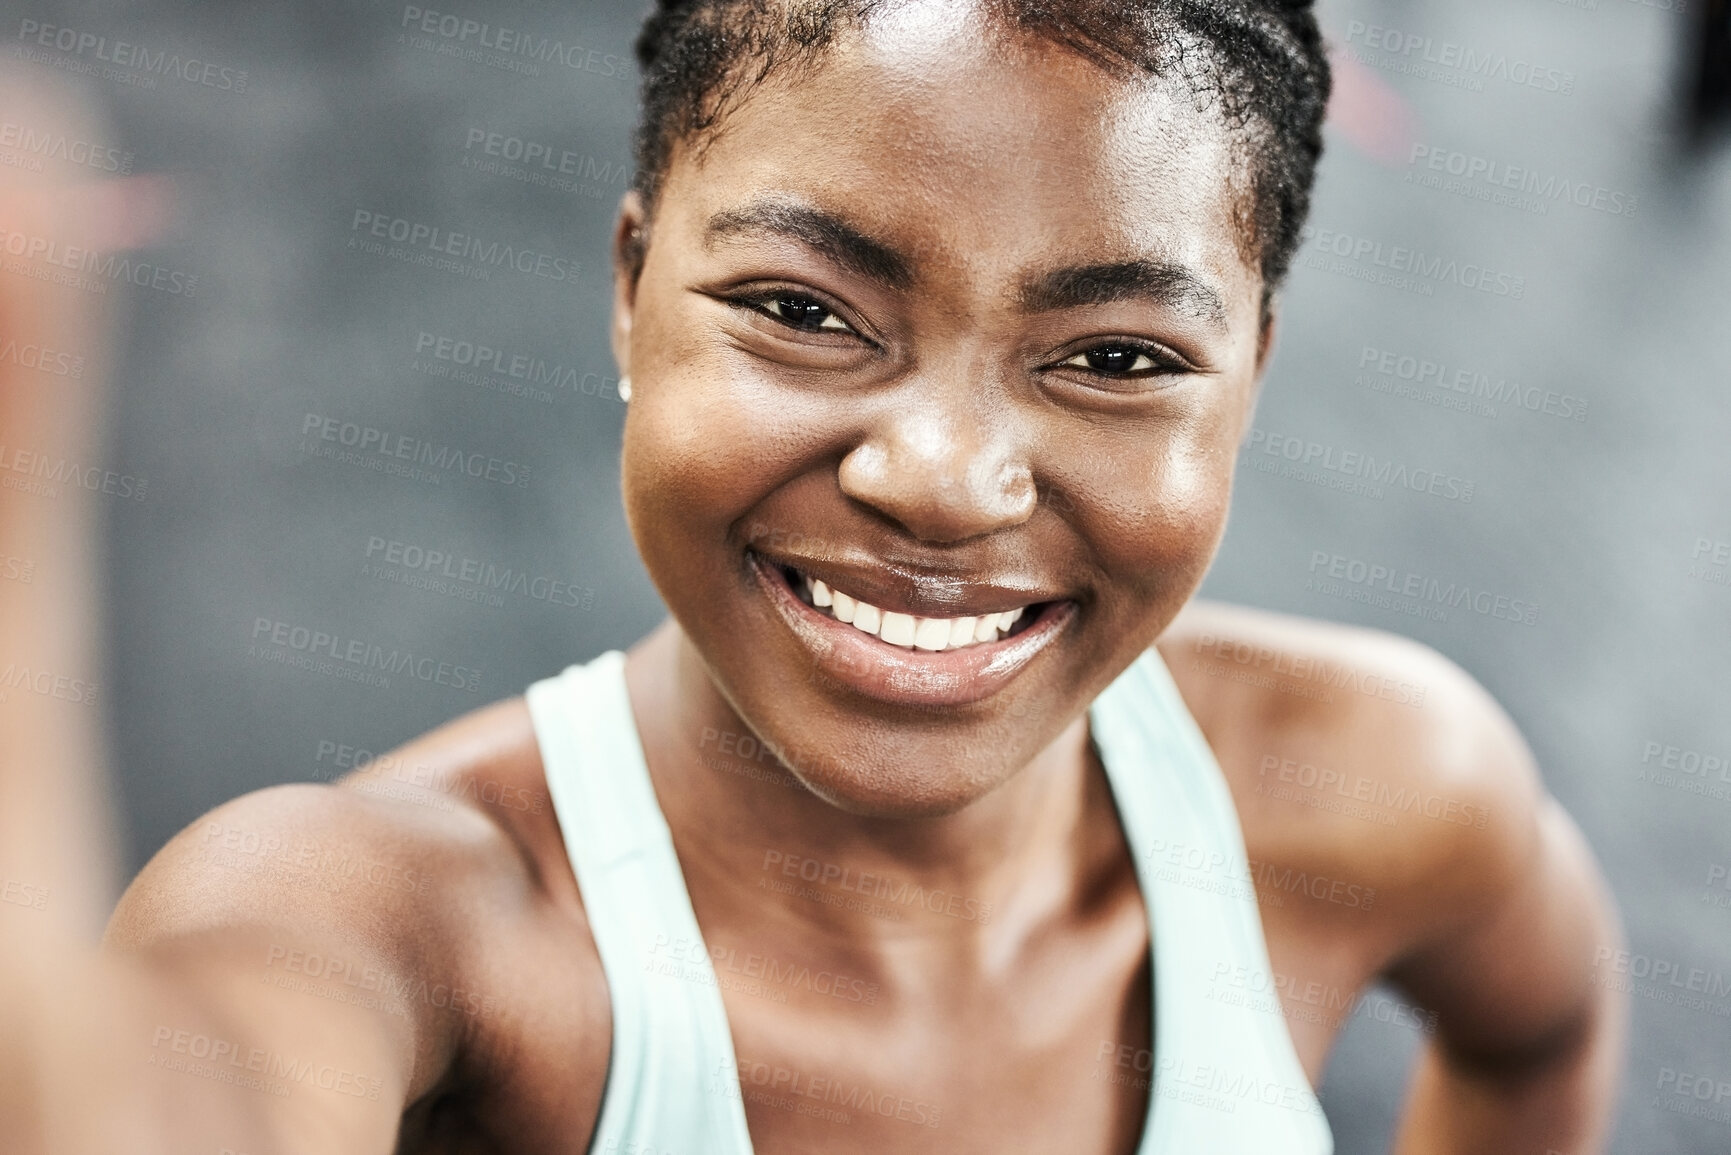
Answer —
892 674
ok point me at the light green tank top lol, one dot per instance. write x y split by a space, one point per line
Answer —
1225 1078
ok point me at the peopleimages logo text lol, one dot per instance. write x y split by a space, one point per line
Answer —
1545 189
1364 468
464 246
1409 262
534 372
563 161
362 440
447 572
49 145
134 56
117 268
1451 61
513 42
1404 583
1470 384
361 654
42 358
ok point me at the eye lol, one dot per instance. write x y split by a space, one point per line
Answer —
803 313
1119 361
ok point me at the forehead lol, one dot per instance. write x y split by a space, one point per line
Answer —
984 151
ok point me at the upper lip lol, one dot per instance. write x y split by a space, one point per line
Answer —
922 592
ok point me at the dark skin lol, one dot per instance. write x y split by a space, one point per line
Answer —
843 361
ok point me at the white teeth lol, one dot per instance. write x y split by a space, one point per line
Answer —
961 633
932 634
898 629
906 630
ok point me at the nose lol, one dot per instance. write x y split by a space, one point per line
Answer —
944 474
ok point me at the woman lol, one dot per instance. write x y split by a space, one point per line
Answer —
941 323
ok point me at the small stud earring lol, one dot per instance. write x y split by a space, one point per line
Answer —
625 388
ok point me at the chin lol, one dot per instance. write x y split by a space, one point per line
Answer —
902 789
864 763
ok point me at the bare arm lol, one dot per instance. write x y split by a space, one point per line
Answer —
1494 925
280 978
1528 1051
264 966
162 1046
391 964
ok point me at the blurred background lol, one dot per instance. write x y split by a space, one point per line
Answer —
365 400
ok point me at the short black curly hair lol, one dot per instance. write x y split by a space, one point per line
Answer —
1260 63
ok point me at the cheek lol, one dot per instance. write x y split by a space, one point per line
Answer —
1155 512
706 440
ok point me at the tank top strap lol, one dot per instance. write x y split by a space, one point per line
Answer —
672 1080
1225 1076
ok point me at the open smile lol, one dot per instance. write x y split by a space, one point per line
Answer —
897 656
906 630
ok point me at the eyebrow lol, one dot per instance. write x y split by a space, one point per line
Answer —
822 231
1173 286
1164 283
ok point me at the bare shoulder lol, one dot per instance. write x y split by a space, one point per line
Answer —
430 885
1364 759
408 832
484 766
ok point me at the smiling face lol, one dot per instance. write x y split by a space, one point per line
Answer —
957 334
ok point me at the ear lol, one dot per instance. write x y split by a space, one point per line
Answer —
630 249
1265 338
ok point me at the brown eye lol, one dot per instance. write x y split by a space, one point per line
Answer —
1115 360
804 314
